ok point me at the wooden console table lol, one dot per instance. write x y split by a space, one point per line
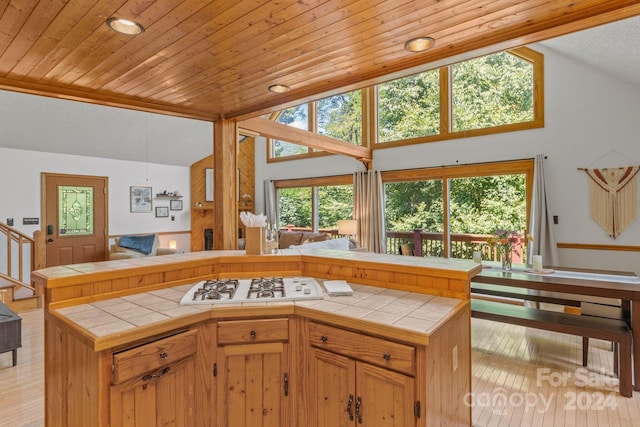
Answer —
10 332
582 286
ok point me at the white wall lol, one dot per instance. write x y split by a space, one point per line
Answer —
587 114
20 188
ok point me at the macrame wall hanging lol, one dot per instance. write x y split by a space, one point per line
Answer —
613 197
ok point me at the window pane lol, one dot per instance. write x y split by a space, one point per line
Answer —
334 203
481 205
340 117
409 107
75 210
490 91
298 118
294 207
412 205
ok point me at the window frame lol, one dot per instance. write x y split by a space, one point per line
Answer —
508 167
314 183
370 113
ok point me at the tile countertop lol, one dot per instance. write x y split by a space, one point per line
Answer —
385 310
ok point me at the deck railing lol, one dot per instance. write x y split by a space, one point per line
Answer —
17 257
462 245
432 244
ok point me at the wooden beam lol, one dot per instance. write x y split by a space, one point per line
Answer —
271 129
225 193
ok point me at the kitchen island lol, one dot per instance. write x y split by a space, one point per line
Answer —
121 350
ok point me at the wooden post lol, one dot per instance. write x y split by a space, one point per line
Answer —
417 242
225 197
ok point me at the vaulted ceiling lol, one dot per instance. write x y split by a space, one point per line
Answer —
211 59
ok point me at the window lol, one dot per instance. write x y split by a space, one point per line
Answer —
297 117
340 117
455 209
409 108
315 204
491 91
501 92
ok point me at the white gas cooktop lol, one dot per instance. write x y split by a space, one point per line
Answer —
264 289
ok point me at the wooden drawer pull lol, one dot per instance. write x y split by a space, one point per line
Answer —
253 334
324 338
163 355
386 357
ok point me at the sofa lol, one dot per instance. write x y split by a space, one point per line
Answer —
296 238
137 246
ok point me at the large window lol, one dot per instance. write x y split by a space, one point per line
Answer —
338 116
495 93
452 211
315 204
501 92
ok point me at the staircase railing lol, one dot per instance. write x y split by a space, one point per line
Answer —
18 258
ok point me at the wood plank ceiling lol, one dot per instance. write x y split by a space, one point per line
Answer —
213 59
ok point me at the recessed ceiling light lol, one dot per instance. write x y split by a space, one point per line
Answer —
278 88
420 44
125 26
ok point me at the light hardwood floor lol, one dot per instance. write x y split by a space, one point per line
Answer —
538 373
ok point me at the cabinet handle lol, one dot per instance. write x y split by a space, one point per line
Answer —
253 334
386 357
358 415
159 374
286 384
324 338
163 355
349 410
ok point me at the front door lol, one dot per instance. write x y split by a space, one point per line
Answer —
75 218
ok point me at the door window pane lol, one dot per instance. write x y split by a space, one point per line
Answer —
294 207
335 202
481 205
415 205
75 211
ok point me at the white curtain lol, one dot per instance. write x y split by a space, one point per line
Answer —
541 219
368 210
270 201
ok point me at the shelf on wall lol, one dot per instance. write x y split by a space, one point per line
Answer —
167 196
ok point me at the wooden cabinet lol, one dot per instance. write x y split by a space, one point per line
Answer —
352 385
154 384
252 372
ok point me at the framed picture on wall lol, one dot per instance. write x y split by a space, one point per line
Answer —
162 211
208 185
140 199
176 205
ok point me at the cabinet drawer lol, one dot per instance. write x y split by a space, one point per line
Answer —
377 351
250 331
148 357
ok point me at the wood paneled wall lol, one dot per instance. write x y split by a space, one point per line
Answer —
202 217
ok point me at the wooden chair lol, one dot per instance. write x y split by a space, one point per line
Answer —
406 249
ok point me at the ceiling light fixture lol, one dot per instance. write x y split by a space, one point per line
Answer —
420 44
278 88
125 26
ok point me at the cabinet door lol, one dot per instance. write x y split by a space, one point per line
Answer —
159 398
384 398
253 385
333 388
